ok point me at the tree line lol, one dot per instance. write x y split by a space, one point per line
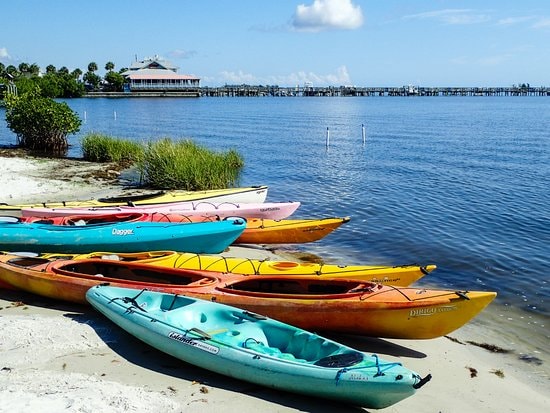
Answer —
60 83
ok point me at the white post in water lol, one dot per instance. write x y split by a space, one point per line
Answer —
115 114
328 137
364 133
84 116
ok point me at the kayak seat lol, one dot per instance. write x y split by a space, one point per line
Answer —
341 360
310 347
259 347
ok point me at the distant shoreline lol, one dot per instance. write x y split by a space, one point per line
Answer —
328 91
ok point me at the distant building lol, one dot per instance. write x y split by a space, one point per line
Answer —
156 74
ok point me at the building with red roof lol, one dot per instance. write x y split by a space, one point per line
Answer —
156 74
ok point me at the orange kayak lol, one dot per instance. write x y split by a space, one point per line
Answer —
288 231
335 305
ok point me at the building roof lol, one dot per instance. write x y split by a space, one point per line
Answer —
155 62
155 68
159 74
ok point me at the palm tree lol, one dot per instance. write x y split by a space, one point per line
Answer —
76 73
109 66
92 67
51 69
23 68
34 69
11 70
63 70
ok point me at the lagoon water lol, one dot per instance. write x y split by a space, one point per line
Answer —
462 182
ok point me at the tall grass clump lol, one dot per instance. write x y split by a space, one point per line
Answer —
97 147
188 166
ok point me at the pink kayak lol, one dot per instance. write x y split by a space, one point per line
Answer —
266 210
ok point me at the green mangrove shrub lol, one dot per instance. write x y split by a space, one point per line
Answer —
40 123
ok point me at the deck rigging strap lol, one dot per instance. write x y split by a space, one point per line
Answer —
133 301
380 368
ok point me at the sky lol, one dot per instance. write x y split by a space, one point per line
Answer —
362 43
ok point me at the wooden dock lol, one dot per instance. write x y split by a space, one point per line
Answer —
278 91
247 90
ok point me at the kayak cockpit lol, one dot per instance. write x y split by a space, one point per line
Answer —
298 287
117 271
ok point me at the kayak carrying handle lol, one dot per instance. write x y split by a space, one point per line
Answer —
422 382
203 334
254 315
251 339
463 294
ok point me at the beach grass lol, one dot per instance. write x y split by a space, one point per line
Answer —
185 165
97 147
167 164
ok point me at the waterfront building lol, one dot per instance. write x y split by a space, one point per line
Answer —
155 74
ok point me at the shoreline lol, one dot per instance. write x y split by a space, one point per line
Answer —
58 356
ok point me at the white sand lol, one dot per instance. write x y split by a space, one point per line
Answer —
59 357
39 180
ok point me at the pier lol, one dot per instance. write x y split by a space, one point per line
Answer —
328 91
248 90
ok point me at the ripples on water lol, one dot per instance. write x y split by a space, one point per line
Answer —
459 182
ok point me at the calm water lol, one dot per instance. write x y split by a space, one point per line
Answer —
459 182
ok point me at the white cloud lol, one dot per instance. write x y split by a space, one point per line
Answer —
238 78
182 54
340 77
543 23
4 53
451 16
495 60
327 15
509 21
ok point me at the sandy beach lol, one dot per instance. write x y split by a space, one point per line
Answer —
62 357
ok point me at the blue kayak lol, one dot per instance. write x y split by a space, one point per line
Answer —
250 347
131 236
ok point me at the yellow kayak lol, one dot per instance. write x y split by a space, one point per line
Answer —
288 231
402 275
251 194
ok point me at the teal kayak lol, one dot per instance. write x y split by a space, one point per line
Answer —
130 236
257 349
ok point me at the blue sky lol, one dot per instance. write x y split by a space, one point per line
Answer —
288 43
